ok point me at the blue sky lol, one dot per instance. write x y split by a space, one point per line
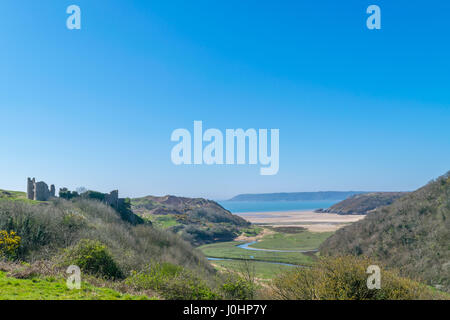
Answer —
357 109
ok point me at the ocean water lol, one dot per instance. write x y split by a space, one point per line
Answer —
267 206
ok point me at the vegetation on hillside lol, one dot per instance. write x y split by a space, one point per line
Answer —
345 278
364 203
39 240
412 234
197 220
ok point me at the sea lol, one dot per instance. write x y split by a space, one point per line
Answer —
268 206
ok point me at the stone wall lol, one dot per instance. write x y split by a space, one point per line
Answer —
112 198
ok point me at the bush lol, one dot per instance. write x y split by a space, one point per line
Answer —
94 258
154 277
345 278
64 193
237 288
186 286
9 243
171 282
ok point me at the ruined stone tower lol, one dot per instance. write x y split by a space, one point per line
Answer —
39 190
112 198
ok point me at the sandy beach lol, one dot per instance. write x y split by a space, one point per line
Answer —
316 222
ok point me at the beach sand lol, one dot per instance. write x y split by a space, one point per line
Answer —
315 222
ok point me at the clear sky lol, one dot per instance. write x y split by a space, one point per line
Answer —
357 109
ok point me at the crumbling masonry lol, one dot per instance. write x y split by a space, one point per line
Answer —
39 190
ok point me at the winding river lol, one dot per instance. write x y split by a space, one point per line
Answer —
247 245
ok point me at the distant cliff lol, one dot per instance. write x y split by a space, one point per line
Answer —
364 203
297 196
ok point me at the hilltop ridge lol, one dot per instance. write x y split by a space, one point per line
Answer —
297 196
363 203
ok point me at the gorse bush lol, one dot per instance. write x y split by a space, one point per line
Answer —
94 258
345 278
9 243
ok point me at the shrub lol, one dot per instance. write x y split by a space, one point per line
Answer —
94 258
64 193
154 277
186 286
345 278
237 288
9 243
171 282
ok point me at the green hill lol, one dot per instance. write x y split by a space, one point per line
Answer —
48 228
197 220
296 196
363 203
412 234
12 195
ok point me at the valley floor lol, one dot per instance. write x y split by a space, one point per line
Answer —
277 250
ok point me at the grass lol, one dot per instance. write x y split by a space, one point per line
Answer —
263 270
292 241
6 194
50 288
163 221
15 196
252 231
230 250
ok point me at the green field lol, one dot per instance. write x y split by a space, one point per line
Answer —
297 241
263 270
54 289
282 239
162 221
231 251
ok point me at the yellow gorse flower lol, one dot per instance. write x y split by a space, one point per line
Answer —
9 242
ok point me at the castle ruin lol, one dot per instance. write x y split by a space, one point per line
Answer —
39 190
113 198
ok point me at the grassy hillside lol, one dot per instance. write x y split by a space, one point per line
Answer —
47 228
412 234
5 194
364 203
197 220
